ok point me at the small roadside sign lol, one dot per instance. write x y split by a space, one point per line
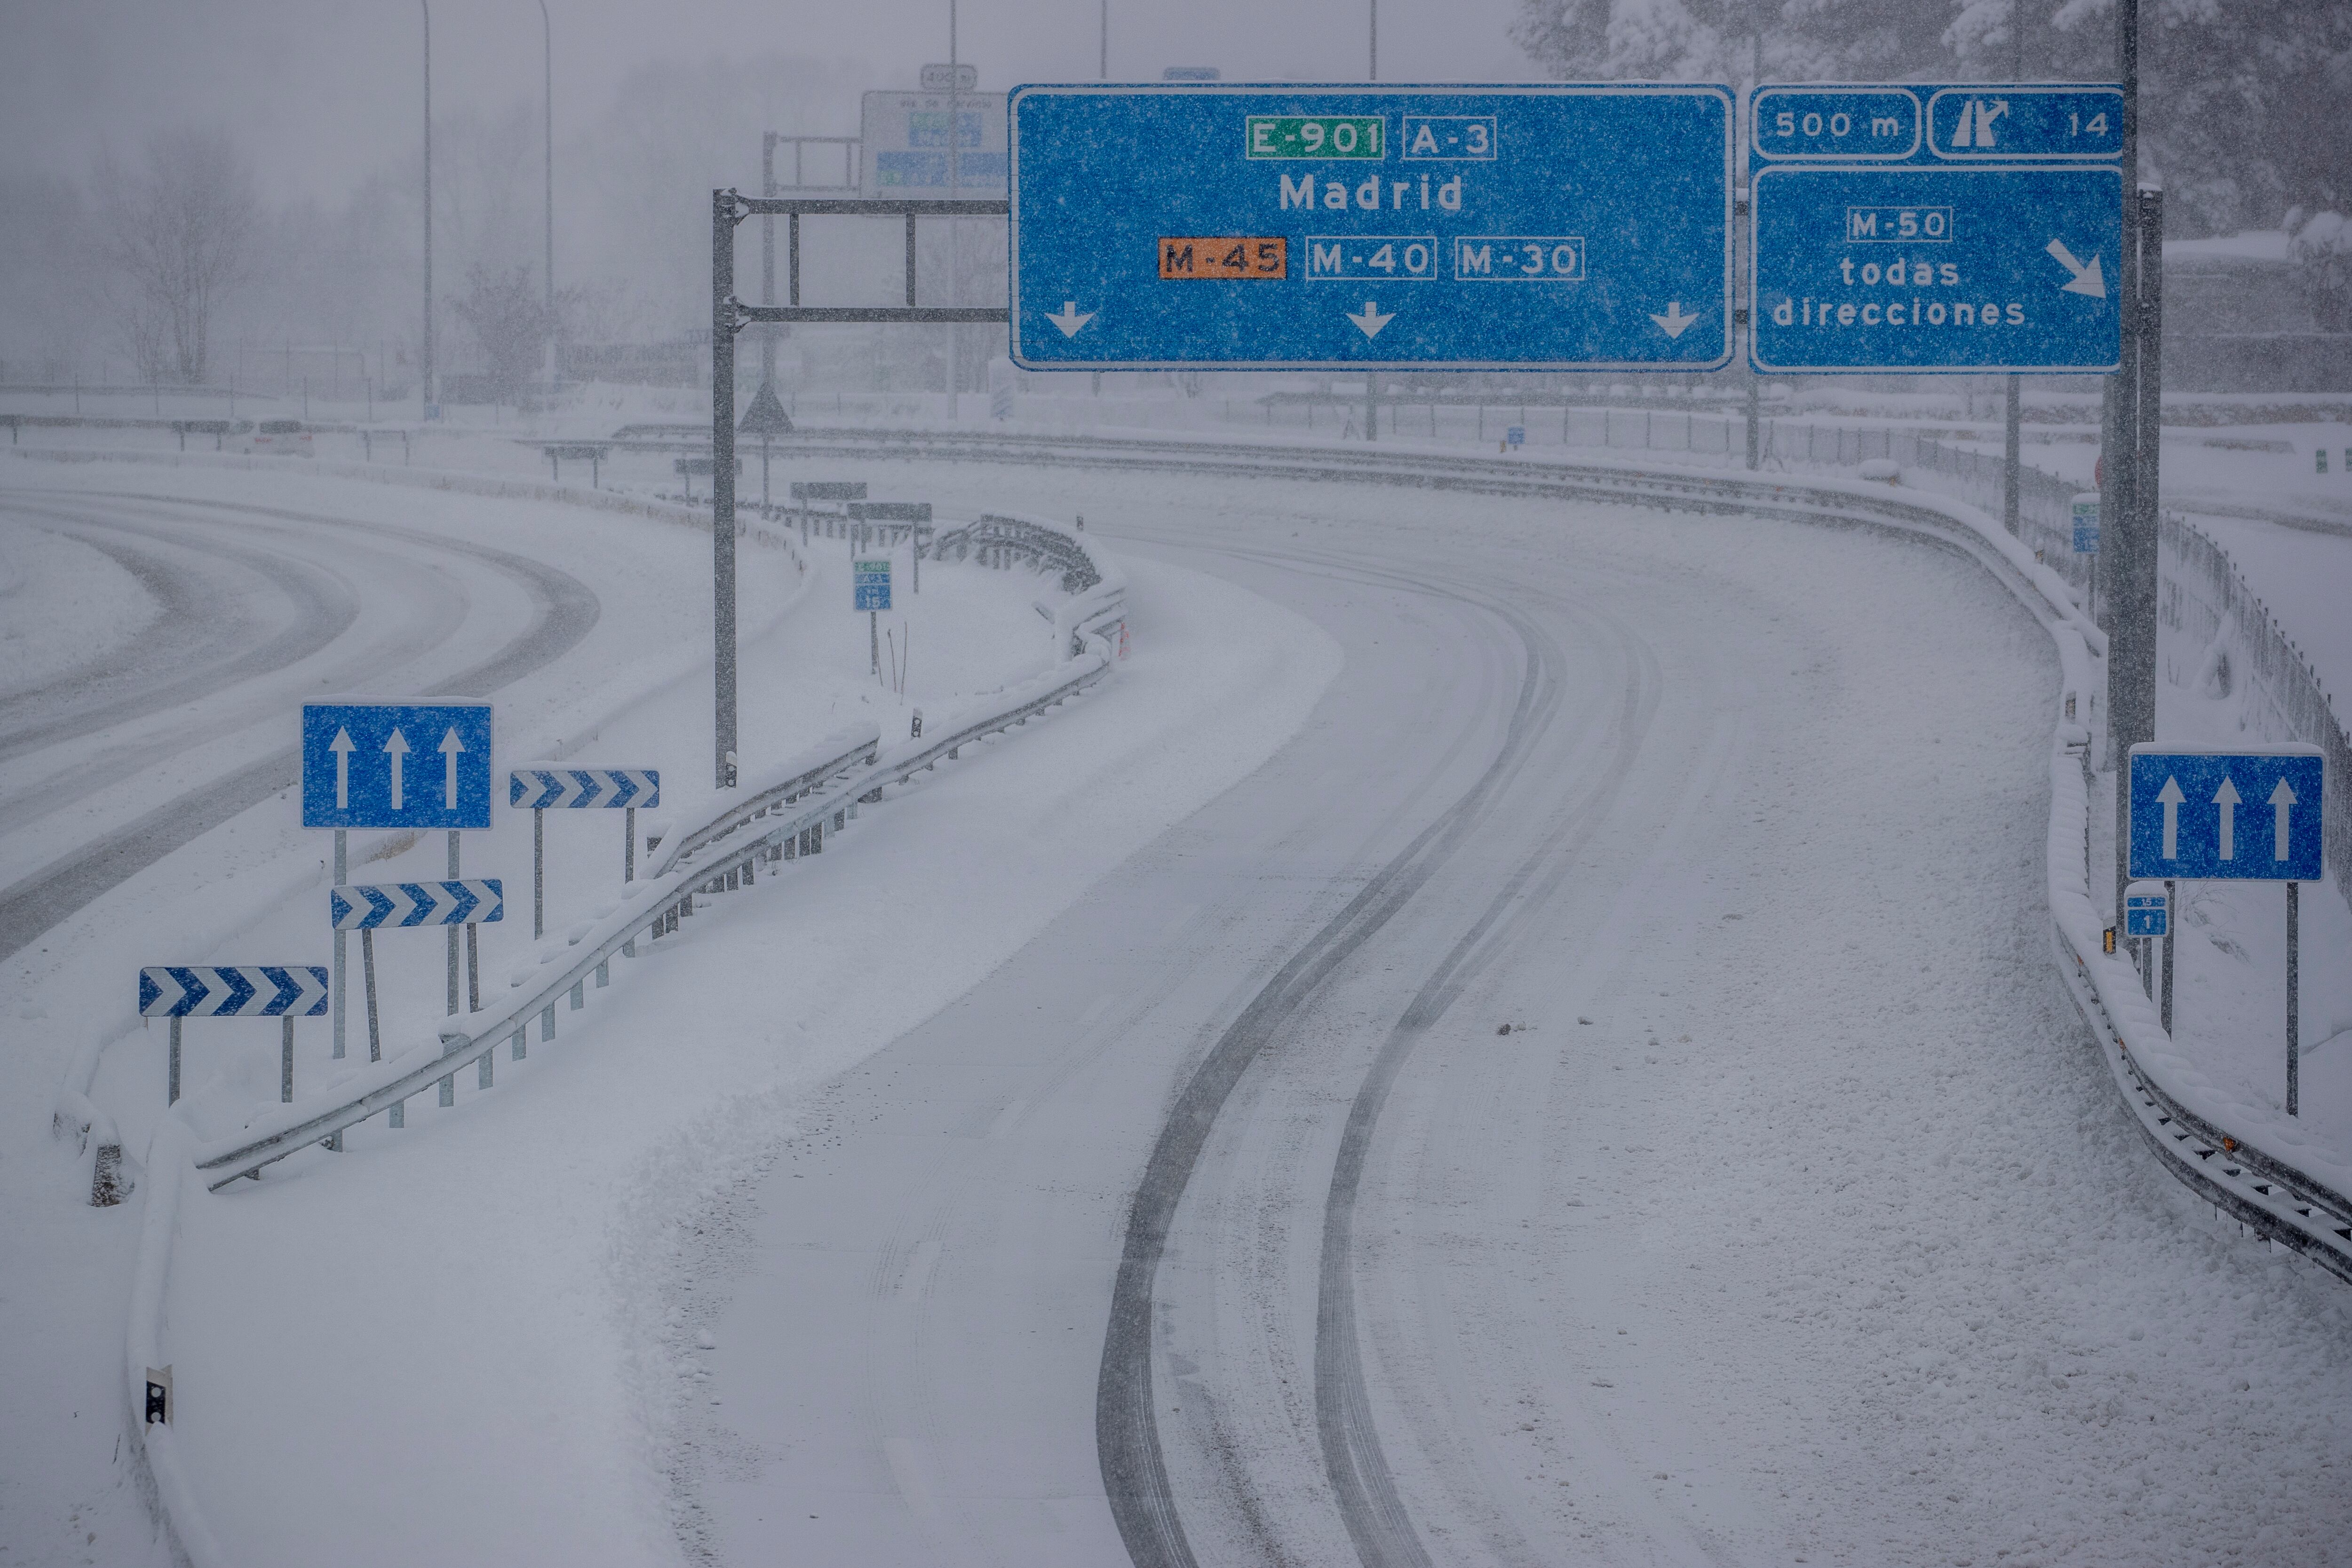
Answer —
870 584
396 765
2087 523
2148 910
1516 435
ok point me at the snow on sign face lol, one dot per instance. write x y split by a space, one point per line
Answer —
1521 228
2243 816
396 765
870 584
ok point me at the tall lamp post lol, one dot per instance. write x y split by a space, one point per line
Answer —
424 384
547 101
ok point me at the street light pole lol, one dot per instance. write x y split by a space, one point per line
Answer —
547 100
424 386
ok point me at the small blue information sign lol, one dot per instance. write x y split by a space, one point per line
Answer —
1936 229
870 584
396 765
2148 910
1530 227
2252 815
2086 524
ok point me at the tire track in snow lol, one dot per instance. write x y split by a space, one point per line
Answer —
1133 1464
565 609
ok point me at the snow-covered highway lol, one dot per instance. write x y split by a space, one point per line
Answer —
1598 1093
1512 1031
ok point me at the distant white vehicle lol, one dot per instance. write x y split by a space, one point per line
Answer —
280 438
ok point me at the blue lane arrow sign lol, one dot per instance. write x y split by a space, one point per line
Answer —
1537 227
396 765
362 906
574 788
232 990
2252 815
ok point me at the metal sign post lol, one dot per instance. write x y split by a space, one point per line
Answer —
366 907
286 992
870 592
1369 228
2185 805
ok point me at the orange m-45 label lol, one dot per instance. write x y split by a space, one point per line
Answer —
1225 257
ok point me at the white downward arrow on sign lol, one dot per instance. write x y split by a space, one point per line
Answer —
1372 320
2088 279
2169 798
1071 319
1672 321
342 748
2282 801
450 747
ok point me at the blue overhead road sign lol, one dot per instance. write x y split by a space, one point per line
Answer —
1497 227
1895 267
1923 228
396 765
2241 816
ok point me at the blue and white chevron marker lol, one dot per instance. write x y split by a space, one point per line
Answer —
571 788
232 990
367 907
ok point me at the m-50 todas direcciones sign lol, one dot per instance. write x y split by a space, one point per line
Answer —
1505 227
396 765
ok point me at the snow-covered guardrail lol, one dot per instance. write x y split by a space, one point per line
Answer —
2269 1194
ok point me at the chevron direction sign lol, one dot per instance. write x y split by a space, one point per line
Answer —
232 990
396 765
572 788
364 907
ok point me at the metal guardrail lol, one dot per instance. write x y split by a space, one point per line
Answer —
1045 548
653 911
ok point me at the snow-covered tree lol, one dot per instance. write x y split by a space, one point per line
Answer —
178 230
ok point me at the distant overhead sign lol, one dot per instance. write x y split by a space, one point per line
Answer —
1936 229
396 765
2239 816
908 139
1244 226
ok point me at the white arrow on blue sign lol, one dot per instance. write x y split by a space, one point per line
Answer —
366 907
232 990
396 765
576 788
2253 815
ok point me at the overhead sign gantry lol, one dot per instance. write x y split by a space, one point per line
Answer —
1234 227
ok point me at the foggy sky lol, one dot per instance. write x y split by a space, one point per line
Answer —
320 91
